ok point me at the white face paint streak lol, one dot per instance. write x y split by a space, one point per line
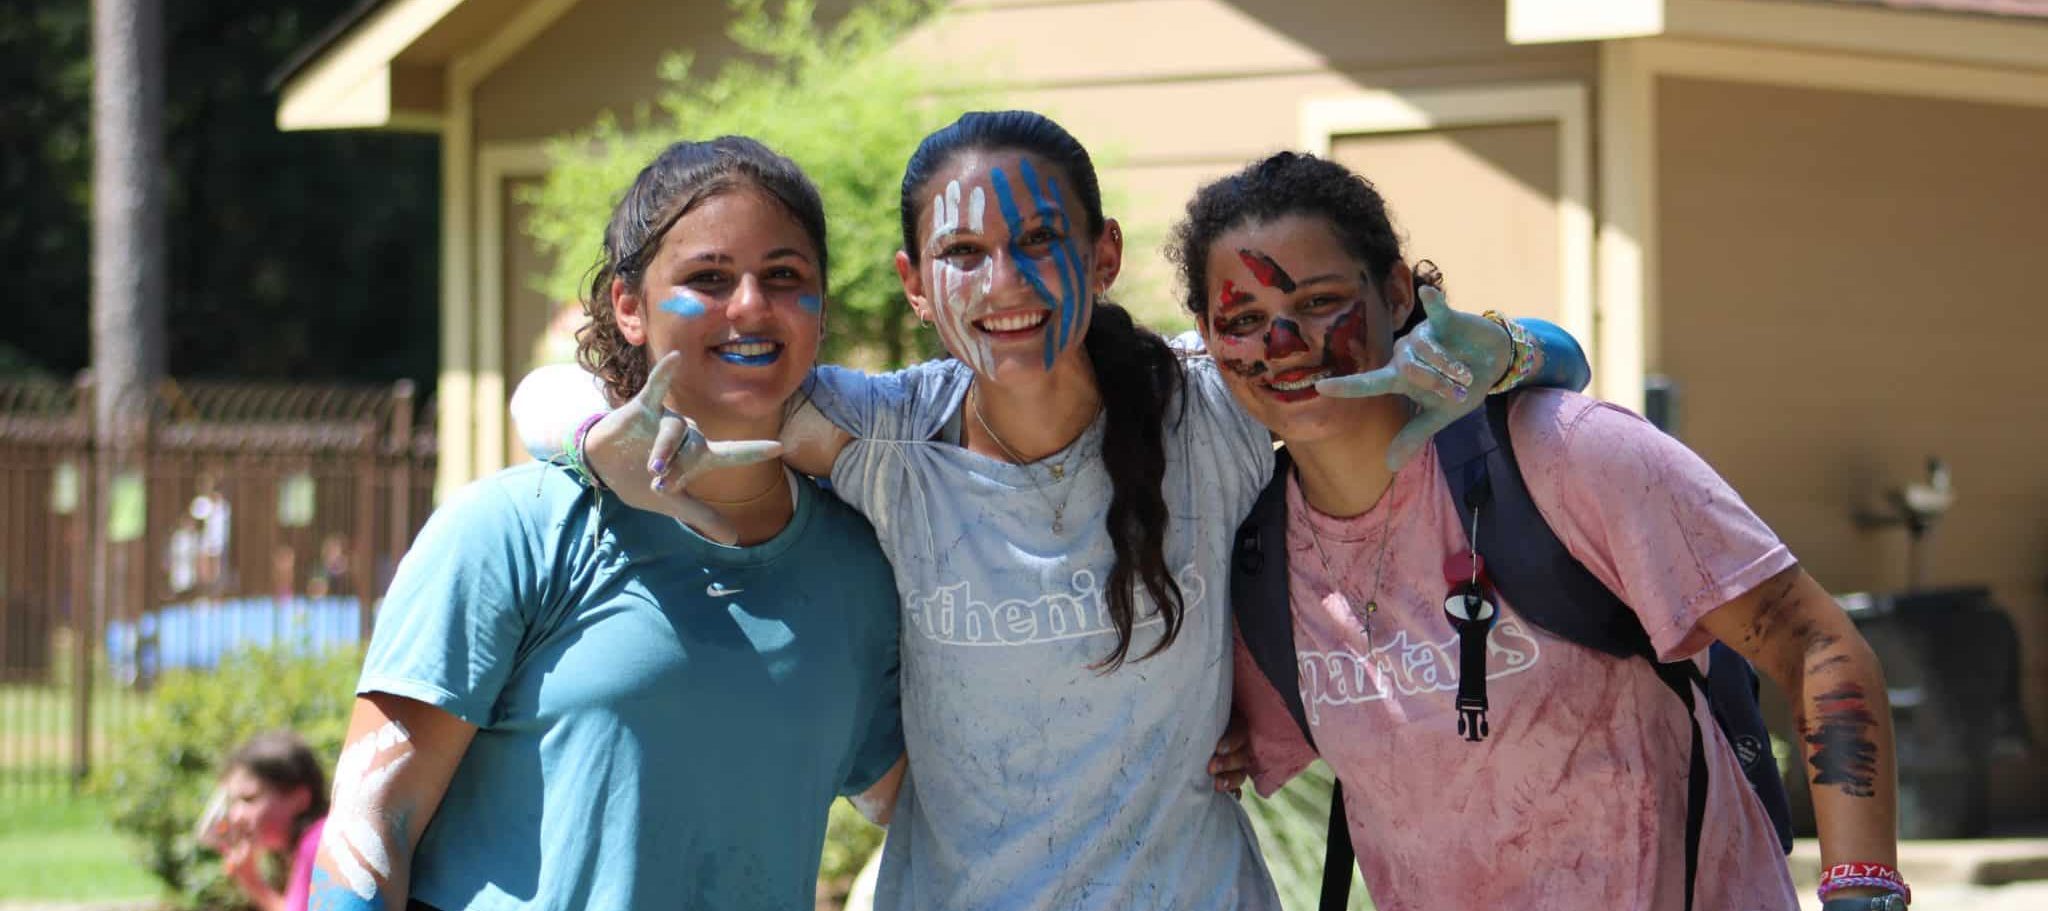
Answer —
956 294
959 301
361 794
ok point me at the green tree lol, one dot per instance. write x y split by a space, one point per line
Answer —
840 100
291 255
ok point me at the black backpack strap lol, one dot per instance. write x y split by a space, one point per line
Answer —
1551 588
1338 857
1258 592
1265 618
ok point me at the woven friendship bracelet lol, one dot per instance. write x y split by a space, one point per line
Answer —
1524 356
1875 876
1872 882
572 451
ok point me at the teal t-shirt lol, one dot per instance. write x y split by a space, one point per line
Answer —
662 722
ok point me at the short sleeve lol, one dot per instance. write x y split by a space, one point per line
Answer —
881 732
1279 751
450 628
883 413
1645 514
1241 448
902 405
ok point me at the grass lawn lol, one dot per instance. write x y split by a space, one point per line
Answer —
58 847
35 729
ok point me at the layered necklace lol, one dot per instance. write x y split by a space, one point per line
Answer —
1058 469
1372 604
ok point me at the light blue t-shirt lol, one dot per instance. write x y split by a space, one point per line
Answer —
1037 781
663 722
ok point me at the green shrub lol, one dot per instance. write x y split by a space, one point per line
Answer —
1291 826
168 762
849 841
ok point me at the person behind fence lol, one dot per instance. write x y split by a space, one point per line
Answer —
1492 750
271 802
567 703
1058 499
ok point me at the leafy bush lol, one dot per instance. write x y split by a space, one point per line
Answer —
843 102
170 759
168 762
1291 826
849 841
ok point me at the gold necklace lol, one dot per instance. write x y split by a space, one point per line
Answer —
1372 604
781 480
1058 470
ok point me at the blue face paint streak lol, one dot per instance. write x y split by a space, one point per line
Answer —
1066 248
811 303
1025 266
683 304
1062 257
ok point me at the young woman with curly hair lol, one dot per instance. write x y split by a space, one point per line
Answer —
1569 789
571 704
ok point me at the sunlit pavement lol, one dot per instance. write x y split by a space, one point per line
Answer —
1950 875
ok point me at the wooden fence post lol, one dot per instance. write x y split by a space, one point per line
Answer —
84 591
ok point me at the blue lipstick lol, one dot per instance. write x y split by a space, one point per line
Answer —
750 360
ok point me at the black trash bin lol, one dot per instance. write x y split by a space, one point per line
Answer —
1952 669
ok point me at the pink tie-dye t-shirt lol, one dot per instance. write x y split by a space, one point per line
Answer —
1576 799
300 886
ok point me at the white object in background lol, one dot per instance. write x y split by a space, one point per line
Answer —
550 403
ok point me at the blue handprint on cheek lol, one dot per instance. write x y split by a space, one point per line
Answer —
1067 263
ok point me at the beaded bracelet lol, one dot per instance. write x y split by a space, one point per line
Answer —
1523 354
572 451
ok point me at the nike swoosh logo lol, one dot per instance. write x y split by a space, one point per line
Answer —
716 590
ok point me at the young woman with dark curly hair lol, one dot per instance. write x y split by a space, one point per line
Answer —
571 704
1565 785
1058 499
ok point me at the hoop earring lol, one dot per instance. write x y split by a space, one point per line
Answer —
923 321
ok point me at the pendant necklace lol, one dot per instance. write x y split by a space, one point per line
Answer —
1372 604
1058 470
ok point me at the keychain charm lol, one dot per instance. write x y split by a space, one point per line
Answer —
1473 616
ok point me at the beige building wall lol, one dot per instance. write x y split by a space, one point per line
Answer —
1850 284
1481 202
1166 93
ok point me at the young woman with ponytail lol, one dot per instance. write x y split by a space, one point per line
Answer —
1058 500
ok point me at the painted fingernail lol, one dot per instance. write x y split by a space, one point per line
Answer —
1462 392
658 466
660 483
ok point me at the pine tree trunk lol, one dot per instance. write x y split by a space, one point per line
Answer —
128 243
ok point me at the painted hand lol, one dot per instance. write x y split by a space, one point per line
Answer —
238 860
642 439
1233 758
1434 367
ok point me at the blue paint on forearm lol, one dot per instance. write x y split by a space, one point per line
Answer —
1564 362
330 894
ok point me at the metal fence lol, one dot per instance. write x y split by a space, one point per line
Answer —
231 515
